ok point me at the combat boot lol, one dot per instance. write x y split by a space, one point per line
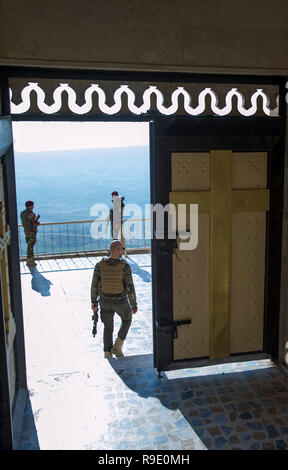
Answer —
107 354
117 347
31 262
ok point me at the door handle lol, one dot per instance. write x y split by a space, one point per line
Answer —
171 328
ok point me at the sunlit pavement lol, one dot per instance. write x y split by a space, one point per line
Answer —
79 400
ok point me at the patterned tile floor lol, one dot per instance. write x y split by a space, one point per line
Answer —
79 400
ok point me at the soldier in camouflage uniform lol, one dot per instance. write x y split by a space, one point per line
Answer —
113 284
30 224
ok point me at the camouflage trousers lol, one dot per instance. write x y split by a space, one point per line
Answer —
108 308
30 240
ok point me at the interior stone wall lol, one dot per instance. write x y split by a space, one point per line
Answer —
181 35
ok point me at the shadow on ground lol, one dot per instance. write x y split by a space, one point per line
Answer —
232 410
136 269
29 437
39 283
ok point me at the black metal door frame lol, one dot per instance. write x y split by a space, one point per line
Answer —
160 176
11 422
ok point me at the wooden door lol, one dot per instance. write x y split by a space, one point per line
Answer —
219 286
222 298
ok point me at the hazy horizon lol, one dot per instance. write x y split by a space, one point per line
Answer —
65 184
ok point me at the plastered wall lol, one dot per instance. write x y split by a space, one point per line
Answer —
189 35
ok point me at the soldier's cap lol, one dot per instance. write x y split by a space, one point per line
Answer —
29 203
114 193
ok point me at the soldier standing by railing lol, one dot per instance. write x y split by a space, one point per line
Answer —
30 224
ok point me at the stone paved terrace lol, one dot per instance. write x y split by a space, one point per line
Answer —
79 400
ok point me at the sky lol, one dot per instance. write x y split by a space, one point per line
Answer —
50 136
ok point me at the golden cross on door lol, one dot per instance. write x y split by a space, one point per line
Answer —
220 202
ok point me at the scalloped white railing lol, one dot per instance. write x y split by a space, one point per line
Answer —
24 106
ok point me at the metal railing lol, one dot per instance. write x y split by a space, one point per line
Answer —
59 239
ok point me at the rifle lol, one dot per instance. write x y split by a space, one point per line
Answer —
95 320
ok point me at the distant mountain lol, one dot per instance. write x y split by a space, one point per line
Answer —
66 184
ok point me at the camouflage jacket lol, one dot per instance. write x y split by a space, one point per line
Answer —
129 289
29 221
